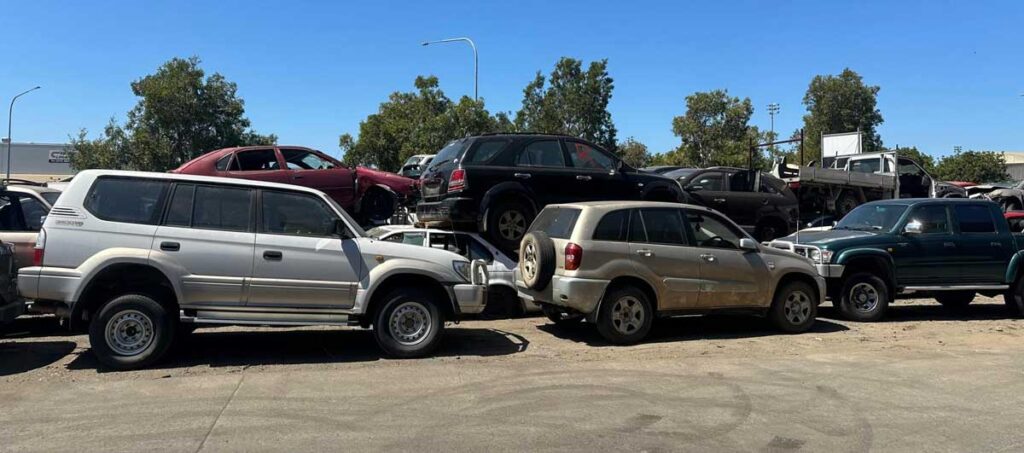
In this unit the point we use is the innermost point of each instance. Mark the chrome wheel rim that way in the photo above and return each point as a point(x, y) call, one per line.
point(529, 261)
point(410, 323)
point(129, 332)
point(797, 307)
point(511, 225)
point(628, 315)
point(864, 296)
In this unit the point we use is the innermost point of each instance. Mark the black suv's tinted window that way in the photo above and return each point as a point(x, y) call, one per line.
point(586, 157)
point(222, 208)
point(542, 153)
point(612, 226)
point(296, 214)
point(741, 181)
point(487, 150)
point(663, 226)
point(180, 211)
point(257, 159)
point(127, 200)
point(711, 180)
point(556, 222)
point(974, 219)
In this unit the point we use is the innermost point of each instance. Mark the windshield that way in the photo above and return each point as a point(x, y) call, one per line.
point(412, 160)
point(872, 217)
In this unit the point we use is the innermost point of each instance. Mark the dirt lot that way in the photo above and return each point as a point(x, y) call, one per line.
point(925, 379)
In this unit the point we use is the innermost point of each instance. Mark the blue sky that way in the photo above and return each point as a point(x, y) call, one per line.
point(951, 73)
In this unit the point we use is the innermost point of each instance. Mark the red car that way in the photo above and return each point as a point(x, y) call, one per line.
point(370, 195)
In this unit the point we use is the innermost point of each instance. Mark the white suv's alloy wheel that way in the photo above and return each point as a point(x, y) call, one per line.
point(410, 323)
point(129, 332)
point(530, 261)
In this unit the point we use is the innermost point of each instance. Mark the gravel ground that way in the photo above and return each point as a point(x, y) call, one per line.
point(923, 379)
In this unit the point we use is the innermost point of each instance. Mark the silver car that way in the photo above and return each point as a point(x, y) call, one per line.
point(621, 264)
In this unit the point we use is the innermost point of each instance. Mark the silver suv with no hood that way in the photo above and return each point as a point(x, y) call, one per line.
point(139, 257)
point(621, 264)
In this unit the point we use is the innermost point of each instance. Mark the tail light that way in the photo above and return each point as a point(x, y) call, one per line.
point(573, 256)
point(37, 256)
point(457, 181)
point(794, 185)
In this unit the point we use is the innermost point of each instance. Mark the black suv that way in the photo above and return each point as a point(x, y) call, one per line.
point(497, 183)
point(761, 203)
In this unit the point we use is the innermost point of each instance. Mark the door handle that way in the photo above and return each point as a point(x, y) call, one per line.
point(995, 244)
point(170, 246)
point(272, 255)
point(297, 177)
point(644, 252)
point(718, 200)
point(523, 175)
point(583, 177)
point(708, 257)
point(948, 245)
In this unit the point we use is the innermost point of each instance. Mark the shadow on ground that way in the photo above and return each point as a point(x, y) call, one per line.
point(216, 347)
point(26, 356)
point(931, 312)
point(41, 326)
point(689, 328)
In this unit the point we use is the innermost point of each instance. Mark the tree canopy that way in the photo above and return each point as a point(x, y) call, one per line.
point(634, 153)
point(840, 103)
point(714, 131)
point(181, 114)
point(973, 166)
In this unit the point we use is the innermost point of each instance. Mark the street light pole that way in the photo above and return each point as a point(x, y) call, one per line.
point(10, 113)
point(773, 109)
point(476, 61)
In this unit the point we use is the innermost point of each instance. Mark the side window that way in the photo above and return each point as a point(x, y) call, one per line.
point(974, 219)
point(741, 181)
point(10, 215)
point(711, 180)
point(711, 231)
point(542, 153)
point(933, 219)
point(768, 185)
point(128, 200)
point(663, 226)
point(636, 227)
point(486, 151)
point(296, 214)
point(445, 241)
point(222, 208)
point(908, 167)
point(414, 237)
point(225, 162)
point(586, 157)
point(612, 226)
point(397, 237)
point(33, 211)
point(300, 159)
point(477, 251)
point(257, 160)
point(179, 213)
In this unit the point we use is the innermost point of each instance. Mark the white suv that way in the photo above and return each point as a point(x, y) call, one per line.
point(139, 257)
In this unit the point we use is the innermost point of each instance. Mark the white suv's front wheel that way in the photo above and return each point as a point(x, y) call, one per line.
point(131, 331)
point(409, 324)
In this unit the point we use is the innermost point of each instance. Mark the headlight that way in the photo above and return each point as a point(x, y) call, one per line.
point(463, 268)
point(820, 256)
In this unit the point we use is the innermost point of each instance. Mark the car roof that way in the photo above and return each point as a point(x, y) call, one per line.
point(91, 174)
point(916, 201)
point(36, 189)
point(626, 204)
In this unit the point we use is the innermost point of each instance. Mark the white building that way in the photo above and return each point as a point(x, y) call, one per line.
point(40, 162)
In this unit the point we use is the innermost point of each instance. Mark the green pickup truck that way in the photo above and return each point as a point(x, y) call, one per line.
point(949, 249)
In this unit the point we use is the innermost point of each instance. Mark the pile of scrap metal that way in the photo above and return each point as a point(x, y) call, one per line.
point(1009, 195)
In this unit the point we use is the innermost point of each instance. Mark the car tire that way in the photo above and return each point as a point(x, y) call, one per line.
point(409, 324)
point(502, 303)
point(846, 202)
point(561, 318)
point(625, 316)
point(1015, 298)
point(132, 331)
point(794, 307)
point(864, 298)
point(537, 260)
point(377, 206)
point(955, 300)
point(1010, 204)
point(507, 221)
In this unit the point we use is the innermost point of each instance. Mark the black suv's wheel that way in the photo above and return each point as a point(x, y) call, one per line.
point(561, 317)
point(955, 300)
point(794, 308)
point(507, 222)
point(409, 324)
point(864, 297)
point(626, 316)
point(1015, 298)
point(537, 260)
point(132, 331)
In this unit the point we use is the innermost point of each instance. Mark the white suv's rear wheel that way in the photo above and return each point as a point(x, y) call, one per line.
point(409, 324)
point(626, 315)
point(131, 331)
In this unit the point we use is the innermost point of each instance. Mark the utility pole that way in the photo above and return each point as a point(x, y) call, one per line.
point(773, 109)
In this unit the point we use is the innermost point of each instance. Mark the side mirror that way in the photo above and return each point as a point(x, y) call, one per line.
point(912, 228)
point(748, 244)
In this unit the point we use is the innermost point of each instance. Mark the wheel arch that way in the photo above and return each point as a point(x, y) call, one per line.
point(868, 260)
point(623, 281)
point(376, 297)
point(120, 278)
point(505, 190)
point(798, 277)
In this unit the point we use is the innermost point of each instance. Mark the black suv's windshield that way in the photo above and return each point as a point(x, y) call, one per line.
point(873, 217)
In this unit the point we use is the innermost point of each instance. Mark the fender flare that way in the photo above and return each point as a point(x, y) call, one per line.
point(890, 266)
point(1014, 267)
point(393, 267)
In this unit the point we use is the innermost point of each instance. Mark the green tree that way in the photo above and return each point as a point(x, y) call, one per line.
point(714, 131)
point(417, 122)
point(973, 166)
point(634, 153)
point(180, 115)
point(571, 101)
point(841, 103)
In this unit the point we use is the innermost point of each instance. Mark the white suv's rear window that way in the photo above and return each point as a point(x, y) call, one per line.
point(556, 222)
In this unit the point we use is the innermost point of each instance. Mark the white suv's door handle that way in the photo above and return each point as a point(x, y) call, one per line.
point(644, 252)
point(523, 175)
point(583, 177)
point(708, 257)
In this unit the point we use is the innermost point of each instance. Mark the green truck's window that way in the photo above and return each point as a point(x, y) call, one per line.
point(975, 219)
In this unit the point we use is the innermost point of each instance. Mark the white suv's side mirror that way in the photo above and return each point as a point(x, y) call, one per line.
point(748, 244)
